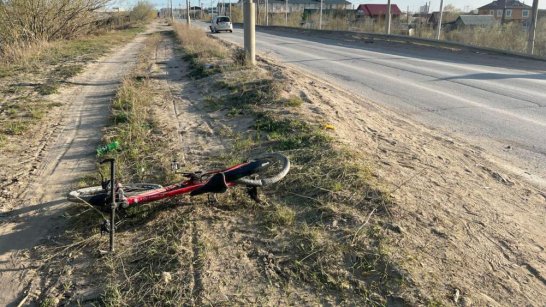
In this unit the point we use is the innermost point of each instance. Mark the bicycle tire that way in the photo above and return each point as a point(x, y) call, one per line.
point(269, 180)
point(86, 194)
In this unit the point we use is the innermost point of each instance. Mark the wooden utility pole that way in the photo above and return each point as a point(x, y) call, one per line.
point(439, 27)
point(533, 28)
point(389, 16)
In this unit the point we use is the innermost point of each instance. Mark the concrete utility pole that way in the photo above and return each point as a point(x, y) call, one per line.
point(249, 22)
point(533, 29)
point(172, 15)
point(286, 13)
point(188, 12)
point(389, 16)
point(320, 16)
point(266, 13)
point(439, 27)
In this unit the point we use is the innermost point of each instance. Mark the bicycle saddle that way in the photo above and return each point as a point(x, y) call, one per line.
point(216, 184)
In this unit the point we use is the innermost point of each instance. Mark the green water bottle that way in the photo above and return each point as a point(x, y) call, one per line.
point(101, 150)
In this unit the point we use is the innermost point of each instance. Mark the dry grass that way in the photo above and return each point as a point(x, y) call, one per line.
point(509, 37)
point(144, 155)
point(197, 44)
point(320, 215)
point(512, 37)
point(40, 72)
point(321, 221)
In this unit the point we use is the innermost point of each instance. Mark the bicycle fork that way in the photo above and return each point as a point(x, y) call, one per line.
point(113, 195)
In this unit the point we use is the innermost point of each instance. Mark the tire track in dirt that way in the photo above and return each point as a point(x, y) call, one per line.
point(67, 154)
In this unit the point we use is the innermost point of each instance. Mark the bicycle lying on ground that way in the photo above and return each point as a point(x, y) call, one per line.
point(261, 171)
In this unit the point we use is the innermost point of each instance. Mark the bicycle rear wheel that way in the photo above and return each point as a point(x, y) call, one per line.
point(97, 192)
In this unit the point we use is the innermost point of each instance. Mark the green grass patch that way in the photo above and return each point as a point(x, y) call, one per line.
point(16, 127)
point(290, 133)
point(293, 101)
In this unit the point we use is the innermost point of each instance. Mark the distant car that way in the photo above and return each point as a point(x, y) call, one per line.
point(221, 23)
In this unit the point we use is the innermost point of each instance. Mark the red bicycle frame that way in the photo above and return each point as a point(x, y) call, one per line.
point(184, 187)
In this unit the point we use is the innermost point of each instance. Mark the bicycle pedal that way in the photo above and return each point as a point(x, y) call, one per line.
point(105, 227)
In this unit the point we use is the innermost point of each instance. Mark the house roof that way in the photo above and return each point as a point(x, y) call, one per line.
point(500, 4)
point(378, 9)
point(477, 20)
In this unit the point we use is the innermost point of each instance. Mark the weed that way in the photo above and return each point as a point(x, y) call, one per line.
point(47, 88)
point(290, 133)
point(279, 215)
point(293, 101)
point(212, 103)
point(67, 71)
point(3, 140)
point(37, 113)
point(16, 127)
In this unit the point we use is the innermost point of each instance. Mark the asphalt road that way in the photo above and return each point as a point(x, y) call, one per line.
point(495, 102)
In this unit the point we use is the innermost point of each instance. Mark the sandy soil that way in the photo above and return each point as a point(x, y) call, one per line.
point(467, 233)
point(57, 153)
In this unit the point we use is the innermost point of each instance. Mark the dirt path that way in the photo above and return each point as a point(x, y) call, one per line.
point(64, 158)
point(223, 243)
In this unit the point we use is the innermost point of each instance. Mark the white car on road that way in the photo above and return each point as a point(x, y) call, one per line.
point(221, 23)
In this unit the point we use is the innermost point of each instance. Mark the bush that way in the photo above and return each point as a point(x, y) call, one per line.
point(142, 11)
point(23, 23)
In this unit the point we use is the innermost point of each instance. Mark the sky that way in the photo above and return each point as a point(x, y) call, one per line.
point(402, 4)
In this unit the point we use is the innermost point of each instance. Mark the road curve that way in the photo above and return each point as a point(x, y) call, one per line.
point(495, 102)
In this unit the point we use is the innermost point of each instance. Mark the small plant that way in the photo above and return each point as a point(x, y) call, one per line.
point(3, 140)
point(280, 215)
point(294, 101)
point(47, 88)
point(37, 113)
point(16, 127)
point(68, 71)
